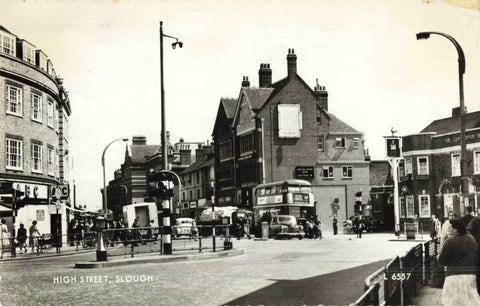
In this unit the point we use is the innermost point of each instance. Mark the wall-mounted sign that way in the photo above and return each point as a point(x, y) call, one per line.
point(304, 172)
point(59, 192)
point(289, 121)
point(393, 147)
point(32, 191)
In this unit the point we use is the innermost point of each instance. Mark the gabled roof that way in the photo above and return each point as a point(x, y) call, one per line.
point(256, 97)
point(198, 165)
point(229, 106)
point(452, 124)
point(340, 127)
point(139, 153)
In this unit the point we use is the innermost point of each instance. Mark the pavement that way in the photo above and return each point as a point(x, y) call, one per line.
point(306, 271)
point(428, 296)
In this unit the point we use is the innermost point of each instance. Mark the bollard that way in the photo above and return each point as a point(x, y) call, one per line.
point(227, 243)
point(264, 230)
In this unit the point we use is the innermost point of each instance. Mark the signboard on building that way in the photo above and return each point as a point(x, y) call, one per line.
point(393, 147)
point(304, 172)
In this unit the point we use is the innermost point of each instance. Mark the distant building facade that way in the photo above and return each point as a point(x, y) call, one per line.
point(34, 143)
point(283, 130)
point(430, 174)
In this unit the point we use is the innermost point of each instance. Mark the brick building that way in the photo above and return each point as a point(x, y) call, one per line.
point(430, 173)
point(279, 130)
point(130, 183)
point(197, 181)
point(34, 114)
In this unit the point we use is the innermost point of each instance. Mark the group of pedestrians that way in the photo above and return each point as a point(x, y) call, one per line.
point(459, 253)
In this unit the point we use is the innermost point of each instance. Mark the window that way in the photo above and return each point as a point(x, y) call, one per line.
point(56, 161)
point(340, 142)
point(408, 166)
point(56, 119)
point(320, 143)
point(14, 100)
point(14, 154)
point(50, 161)
point(246, 144)
point(50, 113)
point(347, 171)
point(423, 166)
point(198, 194)
point(36, 107)
point(356, 142)
point(424, 201)
point(328, 171)
point(456, 164)
point(476, 162)
point(410, 206)
point(28, 54)
point(402, 207)
point(401, 168)
point(225, 150)
point(7, 44)
point(36, 158)
point(198, 177)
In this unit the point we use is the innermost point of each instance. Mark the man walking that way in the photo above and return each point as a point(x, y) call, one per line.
point(335, 221)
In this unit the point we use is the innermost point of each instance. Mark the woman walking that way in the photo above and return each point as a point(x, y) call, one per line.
point(458, 254)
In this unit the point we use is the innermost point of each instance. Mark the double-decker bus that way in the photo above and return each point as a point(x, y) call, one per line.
point(288, 197)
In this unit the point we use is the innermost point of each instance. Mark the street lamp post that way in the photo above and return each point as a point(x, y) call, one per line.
point(101, 251)
point(167, 241)
point(463, 144)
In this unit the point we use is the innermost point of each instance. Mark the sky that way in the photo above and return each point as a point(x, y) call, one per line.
point(377, 74)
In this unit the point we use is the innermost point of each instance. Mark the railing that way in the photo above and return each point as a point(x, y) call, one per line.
point(398, 281)
point(118, 242)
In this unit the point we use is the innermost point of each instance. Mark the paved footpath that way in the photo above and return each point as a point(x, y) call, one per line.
point(330, 271)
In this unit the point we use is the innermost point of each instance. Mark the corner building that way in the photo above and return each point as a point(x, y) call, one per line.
point(283, 130)
point(430, 173)
point(34, 150)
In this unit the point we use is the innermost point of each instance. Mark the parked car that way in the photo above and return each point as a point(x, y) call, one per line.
point(285, 226)
point(183, 227)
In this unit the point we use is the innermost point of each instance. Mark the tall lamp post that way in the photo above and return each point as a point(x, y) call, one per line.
point(167, 241)
point(463, 144)
point(101, 251)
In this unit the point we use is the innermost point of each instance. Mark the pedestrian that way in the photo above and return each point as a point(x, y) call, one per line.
point(335, 221)
point(434, 227)
point(154, 231)
point(71, 232)
point(78, 232)
point(4, 236)
point(474, 229)
point(360, 227)
point(137, 236)
point(468, 216)
point(446, 228)
point(194, 230)
point(22, 238)
point(458, 254)
point(33, 234)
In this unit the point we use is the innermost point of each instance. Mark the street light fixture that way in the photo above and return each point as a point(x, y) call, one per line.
point(463, 144)
point(101, 251)
point(167, 241)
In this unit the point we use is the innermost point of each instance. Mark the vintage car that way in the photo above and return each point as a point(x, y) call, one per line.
point(183, 227)
point(285, 226)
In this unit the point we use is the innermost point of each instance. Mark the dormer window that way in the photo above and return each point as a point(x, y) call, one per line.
point(340, 142)
point(7, 43)
point(356, 142)
point(41, 60)
point(27, 51)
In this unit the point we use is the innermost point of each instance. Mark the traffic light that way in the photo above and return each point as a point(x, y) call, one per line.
point(16, 201)
point(358, 202)
point(159, 184)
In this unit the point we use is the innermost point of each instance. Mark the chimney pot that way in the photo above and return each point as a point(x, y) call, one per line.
point(245, 82)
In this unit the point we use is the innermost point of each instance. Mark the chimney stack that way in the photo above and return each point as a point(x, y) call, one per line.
point(265, 76)
point(456, 111)
point(291, 63)
point(321, 95)
point(245, 82)
point(185, 157)
point(139, 140)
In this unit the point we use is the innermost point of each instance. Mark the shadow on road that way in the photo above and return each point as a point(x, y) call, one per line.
point(337, 288)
